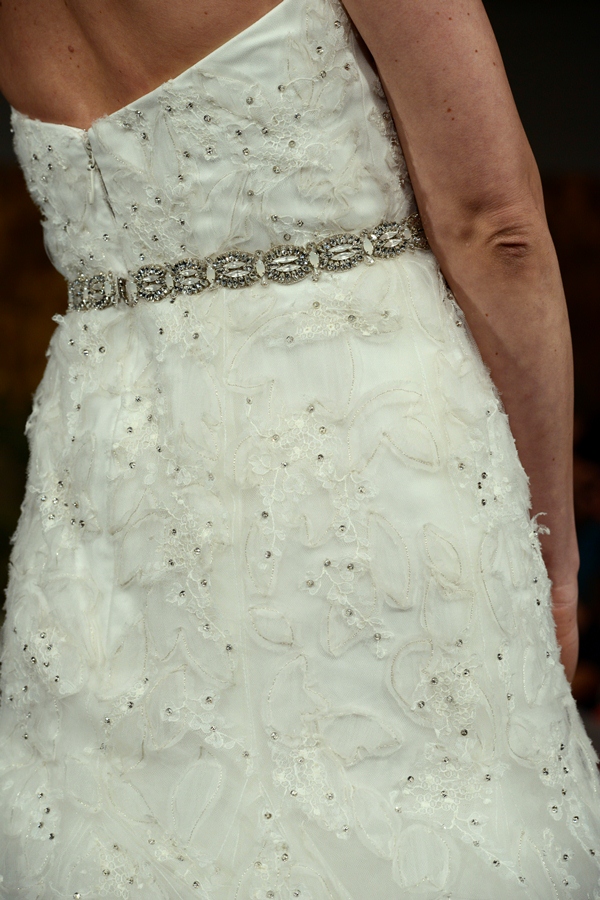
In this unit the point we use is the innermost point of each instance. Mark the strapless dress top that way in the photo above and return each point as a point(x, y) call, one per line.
point(282, 134)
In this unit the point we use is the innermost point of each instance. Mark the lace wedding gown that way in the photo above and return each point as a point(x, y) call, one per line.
point(278, 625)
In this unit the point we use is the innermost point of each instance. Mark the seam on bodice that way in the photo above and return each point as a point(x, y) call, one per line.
point(284, 130)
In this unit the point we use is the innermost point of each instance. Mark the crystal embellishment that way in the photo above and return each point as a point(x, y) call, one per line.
point(284, 264)
point(189, 277)
point(391, 238)
point(151, 283)
point(287, 264)
point(235, 269)
point(341, 251)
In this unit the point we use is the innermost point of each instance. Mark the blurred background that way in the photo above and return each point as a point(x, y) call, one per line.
point(550, 51)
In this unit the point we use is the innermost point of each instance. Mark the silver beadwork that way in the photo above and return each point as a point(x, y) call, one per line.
point(391, 238)
point(151, 283)
point(189, 277)
point(341, 251)
point(235, 269)
point(284, 264)
point(287, 264)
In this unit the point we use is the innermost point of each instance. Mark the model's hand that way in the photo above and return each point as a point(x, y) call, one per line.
point(564, 610)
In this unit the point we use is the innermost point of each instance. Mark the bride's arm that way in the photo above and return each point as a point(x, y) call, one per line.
point(479, 194)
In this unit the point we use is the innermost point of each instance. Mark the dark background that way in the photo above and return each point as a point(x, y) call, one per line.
point(551, 53)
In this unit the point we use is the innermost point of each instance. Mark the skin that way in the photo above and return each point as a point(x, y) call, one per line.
point(72, 61)
point(479, 193)
point(475, 180)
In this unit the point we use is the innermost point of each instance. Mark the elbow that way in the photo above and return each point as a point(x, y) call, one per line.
point(500, 216)
point(514, 241)
point(510, 236)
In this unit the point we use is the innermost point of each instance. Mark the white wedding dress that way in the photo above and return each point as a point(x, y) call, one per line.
point(278, 625)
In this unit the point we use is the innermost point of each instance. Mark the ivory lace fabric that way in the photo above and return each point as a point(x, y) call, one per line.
point(278, 624)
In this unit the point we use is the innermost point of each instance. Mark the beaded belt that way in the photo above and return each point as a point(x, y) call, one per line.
point(284, 264)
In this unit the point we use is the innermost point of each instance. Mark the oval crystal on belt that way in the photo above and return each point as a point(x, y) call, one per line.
point(341, 251)
point(287, 264)
point(77, 293)
point(100, 291)
point(390, 238)
point(189, 276)
point(152, 283)
point(235, 269)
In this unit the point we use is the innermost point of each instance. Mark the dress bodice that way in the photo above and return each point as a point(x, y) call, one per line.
point(262, 141)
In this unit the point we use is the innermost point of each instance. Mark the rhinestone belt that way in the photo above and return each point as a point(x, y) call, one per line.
point(284, 264)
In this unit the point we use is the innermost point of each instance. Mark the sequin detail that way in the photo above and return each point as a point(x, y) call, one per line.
point(284, 264)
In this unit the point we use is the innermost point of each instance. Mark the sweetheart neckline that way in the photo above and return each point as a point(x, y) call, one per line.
point(197, 66)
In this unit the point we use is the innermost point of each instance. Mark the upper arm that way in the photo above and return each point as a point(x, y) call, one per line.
point(464, 144)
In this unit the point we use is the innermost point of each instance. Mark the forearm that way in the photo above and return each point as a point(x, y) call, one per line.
point(508, 284)
point(479, 195)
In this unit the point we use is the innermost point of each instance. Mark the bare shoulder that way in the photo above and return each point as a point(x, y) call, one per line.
point(74, 60)
point(432, 46)
point(452, 104)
